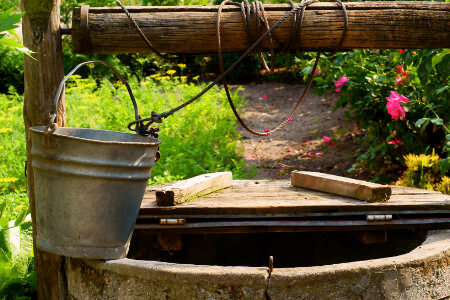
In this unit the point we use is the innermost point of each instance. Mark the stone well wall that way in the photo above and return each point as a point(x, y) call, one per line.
point(423, 273)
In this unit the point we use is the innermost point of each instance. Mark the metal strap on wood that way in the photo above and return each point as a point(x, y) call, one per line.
point(84, 29)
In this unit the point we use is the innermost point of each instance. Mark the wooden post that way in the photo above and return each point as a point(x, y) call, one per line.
point(192, 29)
point(42, 77)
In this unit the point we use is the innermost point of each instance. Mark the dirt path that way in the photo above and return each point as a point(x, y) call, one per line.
point(300, 145)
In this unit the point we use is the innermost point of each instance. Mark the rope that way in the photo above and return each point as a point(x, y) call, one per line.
point(297, 26)
point(257, 10)
point(125, 10)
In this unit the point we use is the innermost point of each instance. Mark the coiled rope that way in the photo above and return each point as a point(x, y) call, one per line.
point(252, 14)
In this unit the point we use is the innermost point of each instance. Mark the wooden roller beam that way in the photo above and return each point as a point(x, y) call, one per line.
point(192, 29)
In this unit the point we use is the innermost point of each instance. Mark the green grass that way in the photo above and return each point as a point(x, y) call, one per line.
point(200, 138)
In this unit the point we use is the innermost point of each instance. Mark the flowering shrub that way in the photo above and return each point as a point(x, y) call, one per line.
point(400, 99)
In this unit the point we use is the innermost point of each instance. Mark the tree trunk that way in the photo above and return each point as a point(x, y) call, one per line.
point(192, 29)
point(42, 77)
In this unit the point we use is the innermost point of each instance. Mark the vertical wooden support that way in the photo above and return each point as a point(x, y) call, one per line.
point(42, 77)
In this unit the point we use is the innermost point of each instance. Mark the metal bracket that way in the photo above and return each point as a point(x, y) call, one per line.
point(172, 221)
point(378, 218)
point(85, 41)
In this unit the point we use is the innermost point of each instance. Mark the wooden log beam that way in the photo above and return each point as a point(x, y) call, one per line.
point(192, 29)
point(40, 26)
point(338, 185)
point(186, 190)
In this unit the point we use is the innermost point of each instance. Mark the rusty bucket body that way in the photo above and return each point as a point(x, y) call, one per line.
point(88, 188)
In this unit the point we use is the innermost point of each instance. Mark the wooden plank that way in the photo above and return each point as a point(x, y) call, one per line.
point(40, 27)
point(247, 226)
point(259, 198)
point(192, 29)
point(186, 190)
point(347, 187)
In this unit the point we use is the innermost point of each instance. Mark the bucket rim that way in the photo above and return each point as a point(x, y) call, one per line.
point(41, 129)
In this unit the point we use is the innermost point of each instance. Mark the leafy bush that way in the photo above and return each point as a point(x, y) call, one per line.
point(423, 171)
point(17, 275)
point(11, 64)
point(12, 148)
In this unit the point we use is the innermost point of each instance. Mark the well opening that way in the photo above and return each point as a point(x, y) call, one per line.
point(289, 249)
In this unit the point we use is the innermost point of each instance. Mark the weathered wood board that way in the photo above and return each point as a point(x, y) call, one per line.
point(192, 29)
point(253, 198)
point(42, 75)
point(186, 190)
point(276, 206)
point(338, 185)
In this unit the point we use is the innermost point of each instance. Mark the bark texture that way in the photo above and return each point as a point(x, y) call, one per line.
point(192, 29)
point(42, 77)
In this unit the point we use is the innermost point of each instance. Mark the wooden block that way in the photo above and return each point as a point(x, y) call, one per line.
point(186, 190)
point(357, 189)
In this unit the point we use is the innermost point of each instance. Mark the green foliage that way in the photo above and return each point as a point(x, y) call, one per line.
point(11, 50)
point(12, 147)
point(444, 185)
point(8, 38)
point(198, 139)
point(11, 70)
point(423, 171)
point(16, 262)
point(16, 248)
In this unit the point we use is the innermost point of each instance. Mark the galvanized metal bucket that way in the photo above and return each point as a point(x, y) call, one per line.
point(88, 187)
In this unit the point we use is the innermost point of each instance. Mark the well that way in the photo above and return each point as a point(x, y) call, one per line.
point(422, 273)
point(323, 247)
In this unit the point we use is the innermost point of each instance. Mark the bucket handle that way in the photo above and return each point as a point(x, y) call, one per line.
point(51, 127)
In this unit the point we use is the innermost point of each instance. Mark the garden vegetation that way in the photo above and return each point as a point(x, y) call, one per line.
point(398, 98)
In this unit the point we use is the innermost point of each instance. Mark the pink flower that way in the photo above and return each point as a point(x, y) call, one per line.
point(310, 154)
point(317, 71)
point(318, 168)
point(291, 119)
point(340, 83)
point(255, 156)
point(266, 130)
point(328, 140)
point(394, 141)
point(394, 105)
point(289, 150)
point(401, 71)
point(403, 75)
point(264, 96)
point(318, 153)
point(376, 52)
point(402, 51)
